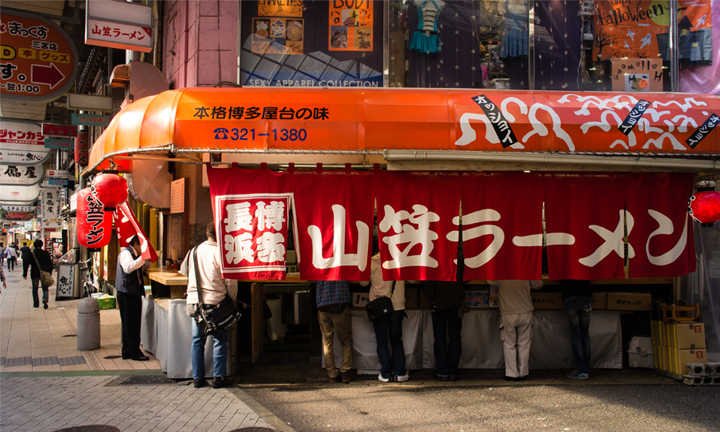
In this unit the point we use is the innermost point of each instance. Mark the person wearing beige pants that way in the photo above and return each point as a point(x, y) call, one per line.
point(333, 303)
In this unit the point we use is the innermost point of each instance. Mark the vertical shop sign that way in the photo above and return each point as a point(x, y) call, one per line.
point(351, 25)
point(50, 204)
point(81, 149)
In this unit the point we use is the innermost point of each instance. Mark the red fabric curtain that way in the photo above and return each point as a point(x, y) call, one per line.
point(502, 226)
point(584, 219)
point(417, 215)
point(126, 226)
point(334, 224)
point(660, 229)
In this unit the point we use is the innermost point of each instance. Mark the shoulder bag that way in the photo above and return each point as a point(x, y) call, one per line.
point(213, 319)
point(381, 307)
point(45, 277)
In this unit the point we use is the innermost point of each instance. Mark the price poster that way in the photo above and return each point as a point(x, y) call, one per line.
point(351, 23)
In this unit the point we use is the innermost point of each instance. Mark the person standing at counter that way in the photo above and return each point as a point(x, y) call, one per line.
point(516, 311)
point(577, 303)
point(213, 290)
point(130, 289)
point(333, 303)
point(392, 367)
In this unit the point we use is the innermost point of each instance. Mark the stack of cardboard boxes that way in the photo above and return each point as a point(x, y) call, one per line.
point(676, 344)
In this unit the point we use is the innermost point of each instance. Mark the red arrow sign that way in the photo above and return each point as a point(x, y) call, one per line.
point(49, 75)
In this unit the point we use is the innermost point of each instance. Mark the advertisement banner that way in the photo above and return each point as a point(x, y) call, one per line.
point(51, 206)
point(351, 25)
point(19, 175)
point(335, 224)
point(126, 226)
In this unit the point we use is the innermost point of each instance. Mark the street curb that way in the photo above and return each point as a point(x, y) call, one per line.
point(263, 412)
point(81, 373)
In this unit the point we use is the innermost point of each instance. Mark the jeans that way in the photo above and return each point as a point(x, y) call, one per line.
point(577, 311)
point(447, 325)
point(36, 300)
point(395, 364)
point(220, 353)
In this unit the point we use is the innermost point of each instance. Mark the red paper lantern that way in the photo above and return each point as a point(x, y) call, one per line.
point(94, 225)
point(704, 207)
point(110, 189)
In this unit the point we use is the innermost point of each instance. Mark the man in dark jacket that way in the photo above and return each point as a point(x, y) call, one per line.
point(41, 257)
point(130, 289)
point(25, 251)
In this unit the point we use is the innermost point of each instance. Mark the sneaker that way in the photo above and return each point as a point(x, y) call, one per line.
point(200, 383)
point(576, 374)
point(383, 379)
point(221, 382)
point(402, 378)
point(348, 375)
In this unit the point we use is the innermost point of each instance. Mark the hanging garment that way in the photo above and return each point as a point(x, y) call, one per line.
point(426, 38)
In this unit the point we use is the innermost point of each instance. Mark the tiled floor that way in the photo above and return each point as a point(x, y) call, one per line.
point(44, 340)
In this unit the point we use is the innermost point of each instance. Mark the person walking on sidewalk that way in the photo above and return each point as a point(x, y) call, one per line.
point(2, 276)
point(24, 250)
point(577, 303)
point(2, 253)
point(37, 260)
point(130, 288)
point(333, 303)
point(213, 290)
point(11, 254)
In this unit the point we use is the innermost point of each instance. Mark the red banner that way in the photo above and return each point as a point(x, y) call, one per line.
point(126, 226)
point(584, 217)
point(502, 226)
point(334, 224)
point(417, 217)
point(251, 214)
point(659, 228)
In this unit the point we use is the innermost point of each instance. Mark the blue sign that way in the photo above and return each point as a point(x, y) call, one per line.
point(90, 119)
point(57, 182)
point(59, 143)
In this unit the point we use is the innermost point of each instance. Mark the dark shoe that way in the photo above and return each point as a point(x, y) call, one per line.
point(440, 377)
point(141, 358)
point(335, 379)
point(453, 378)
point(45, 304)
point(507, 378)
point(221, 382)
point(200, 383)
point(36, 306)
point(348, 375)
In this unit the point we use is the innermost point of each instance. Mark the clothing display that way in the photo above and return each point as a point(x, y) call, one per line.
point(426, 38)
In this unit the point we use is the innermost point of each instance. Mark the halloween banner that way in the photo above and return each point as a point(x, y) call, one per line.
point(351, 25)
point(334, 224)
point(639, 30)
point(126, 226)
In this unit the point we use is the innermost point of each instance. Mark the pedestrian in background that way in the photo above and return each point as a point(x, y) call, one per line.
point(130, 287)
point(516, 313)
point(11, 254)
point(392, 366)
point(24, 250)
point(2, 253)
point(333, 303)
point(577, 303)
point(2, 276)
point(213, 290)
point(39, 259)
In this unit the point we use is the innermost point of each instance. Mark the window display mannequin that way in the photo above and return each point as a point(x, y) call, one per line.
point(426, 38)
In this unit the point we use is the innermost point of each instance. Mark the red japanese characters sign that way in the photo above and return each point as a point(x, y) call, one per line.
point(93, 224)
point(334, 224)
point(126, 226)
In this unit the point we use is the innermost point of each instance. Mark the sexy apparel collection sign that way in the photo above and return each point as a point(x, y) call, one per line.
point(422, 218)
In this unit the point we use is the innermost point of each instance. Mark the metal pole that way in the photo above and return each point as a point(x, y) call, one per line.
point(531, 45)
point(674, 53)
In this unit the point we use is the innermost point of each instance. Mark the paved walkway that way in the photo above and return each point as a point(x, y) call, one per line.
point(46, 384)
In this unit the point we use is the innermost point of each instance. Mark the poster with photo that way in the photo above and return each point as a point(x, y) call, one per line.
point(351, 26)
point(278, 36)
point(280, 8)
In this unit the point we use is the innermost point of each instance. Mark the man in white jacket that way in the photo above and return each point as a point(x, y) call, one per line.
point(392, 366)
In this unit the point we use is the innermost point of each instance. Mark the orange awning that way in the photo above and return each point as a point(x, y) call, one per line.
point(373, 121)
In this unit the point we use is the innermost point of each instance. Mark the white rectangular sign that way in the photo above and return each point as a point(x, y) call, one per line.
point(89, 102)
point(118, 35)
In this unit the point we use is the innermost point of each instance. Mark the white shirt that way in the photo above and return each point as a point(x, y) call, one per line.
point(514, 295)
point(213, 286)
point(128, 262)
point(380, 288)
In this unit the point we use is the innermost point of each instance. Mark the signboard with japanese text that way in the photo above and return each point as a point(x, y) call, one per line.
point(284, 8)
point(53, 173)
point(21, 175)
point(21, 143)
point(419, 224)
point(59, 130)
point(59, 143)
point(126, 226)
point(51, 204)
point(90, 119)
point(19, 195)
point(17, 213)
point(82, 150)
point(39, 61)
point(351, 25)
point(121, 25)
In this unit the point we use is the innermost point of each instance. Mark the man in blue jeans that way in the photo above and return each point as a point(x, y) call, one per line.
point(213, 290)
point(577, 301)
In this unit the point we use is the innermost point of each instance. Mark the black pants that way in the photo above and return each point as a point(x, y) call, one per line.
point(130, 316)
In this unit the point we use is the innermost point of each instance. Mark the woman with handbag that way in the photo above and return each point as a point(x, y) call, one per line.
point(37, 261)
point(392, 365)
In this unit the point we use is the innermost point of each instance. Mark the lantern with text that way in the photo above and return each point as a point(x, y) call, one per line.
point(704, 207)
point(94, 225)
point(110, 189)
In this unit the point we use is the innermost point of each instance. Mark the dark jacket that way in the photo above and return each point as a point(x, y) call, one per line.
point(445, 295)
point(132, 283)
point(43, 257)
point(25, 250)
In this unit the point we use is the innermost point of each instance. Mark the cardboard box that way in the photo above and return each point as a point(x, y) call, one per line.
point(686, 335)
point(547, 301)
point(106, 302)
point(657, 352)
point(629, 301)
point(600, 301)
point(664, 334)
point(665, 357)
point(360, 299)
point(478, 299)
point(679, 358)
point(657, 328)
